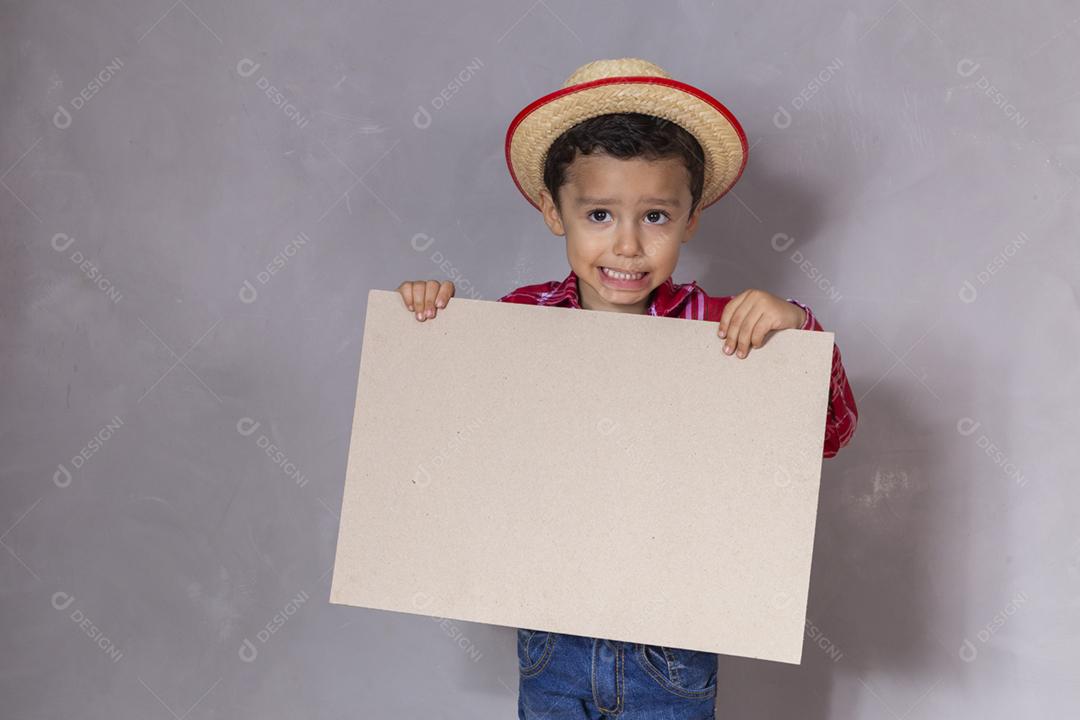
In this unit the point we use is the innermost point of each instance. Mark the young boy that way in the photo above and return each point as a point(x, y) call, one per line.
point(621, 161)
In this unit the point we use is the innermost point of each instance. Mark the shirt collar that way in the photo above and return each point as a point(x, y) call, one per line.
point(667, 300)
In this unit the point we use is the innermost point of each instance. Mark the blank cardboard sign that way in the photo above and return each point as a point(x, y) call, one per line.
point(594, 473)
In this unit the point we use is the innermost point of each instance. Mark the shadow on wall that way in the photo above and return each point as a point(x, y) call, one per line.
point(888, 515)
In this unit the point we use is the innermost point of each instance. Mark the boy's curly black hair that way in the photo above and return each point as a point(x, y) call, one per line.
point(625, 135)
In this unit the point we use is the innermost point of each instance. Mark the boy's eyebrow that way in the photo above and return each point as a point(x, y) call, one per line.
point(669, 202)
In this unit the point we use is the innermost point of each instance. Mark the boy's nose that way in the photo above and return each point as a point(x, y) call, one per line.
point(628, 244)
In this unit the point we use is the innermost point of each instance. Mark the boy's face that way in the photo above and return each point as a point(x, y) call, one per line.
point(624, 215)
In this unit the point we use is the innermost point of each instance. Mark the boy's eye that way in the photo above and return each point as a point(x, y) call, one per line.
point(653, 217)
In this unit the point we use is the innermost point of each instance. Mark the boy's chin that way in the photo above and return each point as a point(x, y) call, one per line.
point(624, 298)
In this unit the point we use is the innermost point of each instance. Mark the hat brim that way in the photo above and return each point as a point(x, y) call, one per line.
point(714, 126)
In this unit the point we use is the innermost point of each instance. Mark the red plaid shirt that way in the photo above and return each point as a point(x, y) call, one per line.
point(691, 302)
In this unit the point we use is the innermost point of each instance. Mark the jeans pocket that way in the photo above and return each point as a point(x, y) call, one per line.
point(534, 648)
point(687, 673)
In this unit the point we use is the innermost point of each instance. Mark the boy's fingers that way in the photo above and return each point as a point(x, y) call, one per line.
point(750, 331)
point(405, 289)
point(424, 296)
point(736, 331)
point(431, 290)
point(419, 290)
point(729, 310)
point(754, 312)
point(761, 329)
point(446, 291)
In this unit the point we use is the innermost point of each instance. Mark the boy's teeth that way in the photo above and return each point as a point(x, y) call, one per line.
point(622, 275)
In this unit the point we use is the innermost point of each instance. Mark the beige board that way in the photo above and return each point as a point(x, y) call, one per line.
point(595, 473)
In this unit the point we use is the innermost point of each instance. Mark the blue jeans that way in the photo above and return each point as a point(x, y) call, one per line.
point(571, 676)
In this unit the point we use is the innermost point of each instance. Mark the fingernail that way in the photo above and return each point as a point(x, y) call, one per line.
point(438, 303)
point(727, 349)
point(418, 316)
point(431, 312)
point(723, 334)
point(742, 353)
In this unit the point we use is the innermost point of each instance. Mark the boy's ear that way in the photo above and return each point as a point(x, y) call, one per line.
point(551, 213)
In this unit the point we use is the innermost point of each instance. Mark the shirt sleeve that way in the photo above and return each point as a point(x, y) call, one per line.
point(842, 415)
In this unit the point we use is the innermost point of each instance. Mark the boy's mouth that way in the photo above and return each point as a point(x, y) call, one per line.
point(622, 280)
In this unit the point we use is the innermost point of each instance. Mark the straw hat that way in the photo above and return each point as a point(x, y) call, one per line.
point(626, 85)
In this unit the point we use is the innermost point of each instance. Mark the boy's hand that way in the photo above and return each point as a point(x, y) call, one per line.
point(751, 315)
point(423, 296)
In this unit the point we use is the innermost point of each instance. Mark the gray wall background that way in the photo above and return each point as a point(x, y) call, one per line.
point(913, 177)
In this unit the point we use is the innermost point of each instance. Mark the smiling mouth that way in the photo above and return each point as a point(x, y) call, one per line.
point(621, 276)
